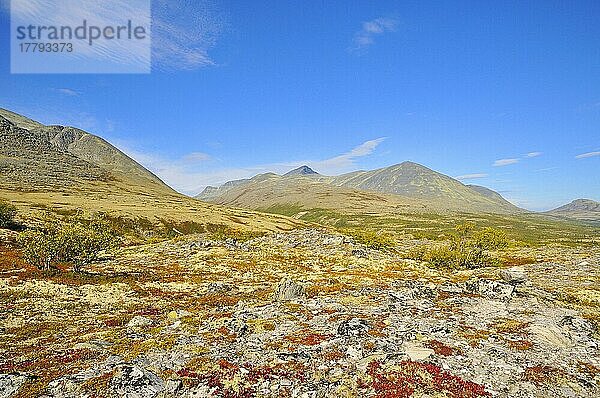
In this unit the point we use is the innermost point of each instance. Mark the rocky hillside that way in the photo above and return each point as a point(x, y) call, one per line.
point(579, 209)
point(87, 147)
point(66, 168)
point(295, 193)
point(301, 171)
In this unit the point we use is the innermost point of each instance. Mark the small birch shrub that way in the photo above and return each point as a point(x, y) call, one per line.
point(77, 242)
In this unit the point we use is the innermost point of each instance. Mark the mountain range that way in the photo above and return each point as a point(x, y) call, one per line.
point(407, 186)
point(580, 209)
point(65, 168)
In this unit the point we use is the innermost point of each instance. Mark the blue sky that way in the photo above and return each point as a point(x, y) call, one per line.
point(502, 94)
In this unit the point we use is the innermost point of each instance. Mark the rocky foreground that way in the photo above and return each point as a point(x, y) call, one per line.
point(301, 314)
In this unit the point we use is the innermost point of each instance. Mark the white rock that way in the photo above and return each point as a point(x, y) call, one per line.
point(549, 334)
point(514, 275)
point(288, 290)
point(417, 352)
point(10, 384)
point(139, 321)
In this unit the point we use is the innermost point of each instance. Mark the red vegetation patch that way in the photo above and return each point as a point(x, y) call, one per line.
point(589, 369)
point(441, 349)
point(45, 364)
point(150, 311)
point(307, 338)
point(115, 322)
point(542, 374)
point(520, 345)
point(249, 377)
point(424, 377)
point(377, 329)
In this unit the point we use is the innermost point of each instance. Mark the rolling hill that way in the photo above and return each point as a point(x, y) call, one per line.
point(65, 168)
point(407, 186)
point(579, 209)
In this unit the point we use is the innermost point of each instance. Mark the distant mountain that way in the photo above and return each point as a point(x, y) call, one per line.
point(490, 194)
point(66, 168)
point(406, 185)
point(416, 181)
point(301, 171)
point(579, 209)
point(299, 193)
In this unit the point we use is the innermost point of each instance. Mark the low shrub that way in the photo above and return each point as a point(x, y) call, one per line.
point(375, 240)
point(465, 249)
point(7, 214)
point(77, 242)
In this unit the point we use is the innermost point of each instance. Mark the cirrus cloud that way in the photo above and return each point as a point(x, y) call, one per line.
point(471, 176)
point(587, 155)
point(505, 162)
point(370, 30)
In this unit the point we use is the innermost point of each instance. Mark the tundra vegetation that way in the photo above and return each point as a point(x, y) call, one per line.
point(75, 241)
point(465, 248)
point(7, 214)
point(188, 307)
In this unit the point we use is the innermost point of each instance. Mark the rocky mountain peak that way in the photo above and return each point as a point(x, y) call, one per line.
point(301, 171)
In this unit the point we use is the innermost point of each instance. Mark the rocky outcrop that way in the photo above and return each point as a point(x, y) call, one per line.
point(288, 290)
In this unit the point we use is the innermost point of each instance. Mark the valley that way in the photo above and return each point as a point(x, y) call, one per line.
point(397, 282)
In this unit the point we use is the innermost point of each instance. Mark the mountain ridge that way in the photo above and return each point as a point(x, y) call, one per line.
point(578, 209)
point(404, 183)
point(65, 168)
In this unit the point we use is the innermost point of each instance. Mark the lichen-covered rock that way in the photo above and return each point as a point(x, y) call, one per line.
point(353, 327)
point(139, 321)
point(514, 275)
point(132, 381)
point(288, 290)
point(491, 289)
point(10, 384)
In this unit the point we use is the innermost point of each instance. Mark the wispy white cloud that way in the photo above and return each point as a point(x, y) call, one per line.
point(587, 155)
point(342, 162)
point(471, 176)
point(548, 168)
point(183, 36)
point(191, 173)
point(505, 162)
point(370, 30)
point(98, 13)
point(67, 91)
point(196, 157)
point(533, 154)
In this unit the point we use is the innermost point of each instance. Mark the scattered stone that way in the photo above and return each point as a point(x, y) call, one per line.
point(514, 275)
point(490, 289)
point(177, 314)
point(131, 381)
point(577, 325)
point(172, 387)
point(219, 287)
point(549, 335)
point(289, 290)
point(353, 327)
point(10, 384)
point(139, 321)
point(417, 352)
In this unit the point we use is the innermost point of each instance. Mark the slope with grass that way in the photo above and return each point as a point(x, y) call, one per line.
point(64, 168)
point(416, 181)
point(408, 186)
point(579, 209)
